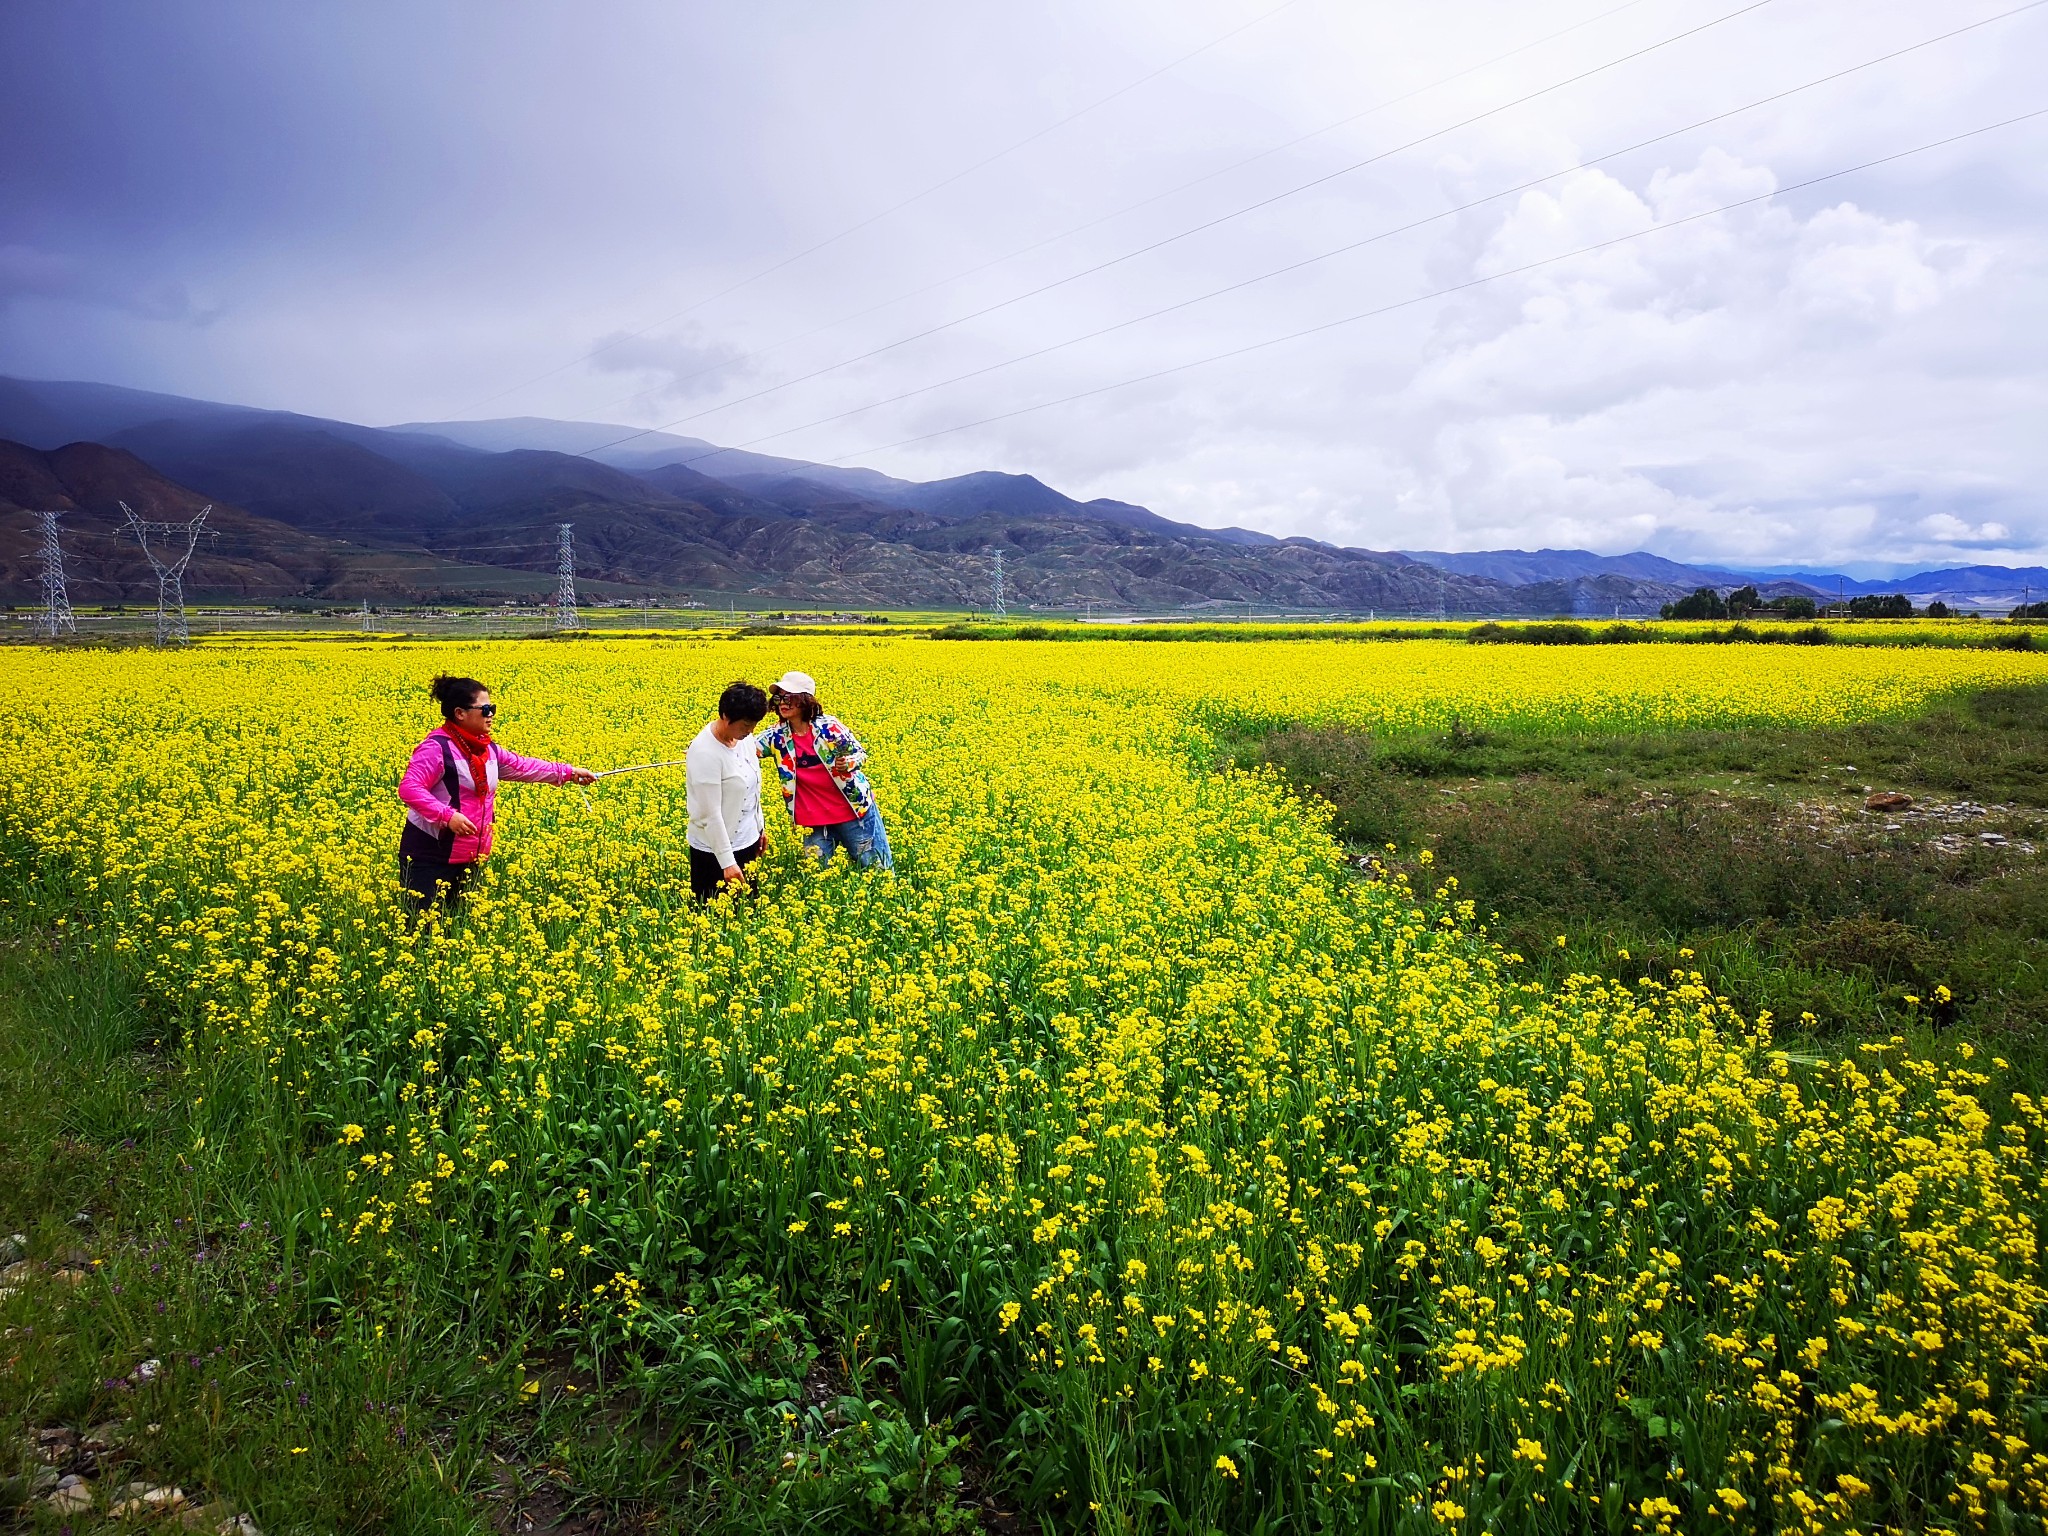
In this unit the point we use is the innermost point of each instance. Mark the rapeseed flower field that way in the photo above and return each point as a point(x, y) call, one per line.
point(1230, 1189)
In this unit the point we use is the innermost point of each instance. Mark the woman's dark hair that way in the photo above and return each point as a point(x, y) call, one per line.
point(453, 693)
point(742, 701)
point(806, 704)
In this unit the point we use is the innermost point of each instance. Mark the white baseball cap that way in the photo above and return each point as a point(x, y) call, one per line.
point(797, 682)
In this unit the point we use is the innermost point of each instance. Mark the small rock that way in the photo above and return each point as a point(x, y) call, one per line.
point(16, 1272)
point(146, 1499)
point(1889, 800)
point(13, 1247)
point(69, 1276)
point(149, 1370)
point(41, 1480)
point(241, 1525)
point(72, 1493)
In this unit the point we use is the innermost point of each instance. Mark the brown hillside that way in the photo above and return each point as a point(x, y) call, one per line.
point(247, 558)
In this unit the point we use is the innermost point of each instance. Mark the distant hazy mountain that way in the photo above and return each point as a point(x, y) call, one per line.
point(643, 450)
point(960, 497)
point(1517, 567)
point(438, 509)
point(1961, 581)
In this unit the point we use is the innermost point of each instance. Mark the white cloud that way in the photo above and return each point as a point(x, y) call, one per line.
point(680, 365)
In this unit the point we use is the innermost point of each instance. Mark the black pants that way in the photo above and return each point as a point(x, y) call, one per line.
point(427, 881)
point(707, 875)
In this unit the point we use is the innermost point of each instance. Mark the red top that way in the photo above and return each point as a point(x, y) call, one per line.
point(819, 802)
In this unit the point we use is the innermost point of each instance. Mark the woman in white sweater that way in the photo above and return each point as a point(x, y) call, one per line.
point(724, 779)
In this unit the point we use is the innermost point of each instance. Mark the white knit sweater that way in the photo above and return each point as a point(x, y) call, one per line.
point(724, 795)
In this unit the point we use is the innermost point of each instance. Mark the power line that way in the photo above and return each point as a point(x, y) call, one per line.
point(1144, 202)
point(896, 207)
point(537, 549)
point(1355, 245)
point(1399, 304)
point(1201, 228)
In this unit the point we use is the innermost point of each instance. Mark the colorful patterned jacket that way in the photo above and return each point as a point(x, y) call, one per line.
point(838, 749)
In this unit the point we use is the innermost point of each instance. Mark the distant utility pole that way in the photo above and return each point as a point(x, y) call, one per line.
point(565, 578)
point(169, 568)
point(996, 608)
point(368, 623)
point(56, 617)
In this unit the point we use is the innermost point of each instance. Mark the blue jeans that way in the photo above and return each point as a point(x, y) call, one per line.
point(865, 838)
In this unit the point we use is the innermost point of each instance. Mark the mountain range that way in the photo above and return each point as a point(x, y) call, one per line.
point(313, 508)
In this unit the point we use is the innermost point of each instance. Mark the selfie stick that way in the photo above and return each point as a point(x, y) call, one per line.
point(674, 762)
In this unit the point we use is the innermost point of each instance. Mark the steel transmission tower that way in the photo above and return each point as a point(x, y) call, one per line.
point(169, 568)
point(56, 618)
point(996, 608)
point(565, 583)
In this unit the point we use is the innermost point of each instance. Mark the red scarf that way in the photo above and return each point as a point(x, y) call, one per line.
point(478, 750)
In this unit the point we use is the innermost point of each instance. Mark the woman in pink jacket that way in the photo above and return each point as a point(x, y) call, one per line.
point(450, 790)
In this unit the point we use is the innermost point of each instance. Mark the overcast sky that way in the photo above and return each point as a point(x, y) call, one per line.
point(423, 211)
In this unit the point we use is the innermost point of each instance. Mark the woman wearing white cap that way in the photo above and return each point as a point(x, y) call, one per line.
point(819, 763)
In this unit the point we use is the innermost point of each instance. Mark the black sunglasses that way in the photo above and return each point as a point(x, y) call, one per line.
point(488, 711)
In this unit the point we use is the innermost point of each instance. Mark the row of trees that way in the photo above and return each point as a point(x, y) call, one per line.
point(1743, 602)
point(1746, 602)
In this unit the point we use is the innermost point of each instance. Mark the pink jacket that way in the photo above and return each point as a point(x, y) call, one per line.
point(439, 765)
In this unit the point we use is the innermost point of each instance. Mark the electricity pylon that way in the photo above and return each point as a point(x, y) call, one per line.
point(565, 579)
point(996, 608)
point(169, 568)
point(56, 616)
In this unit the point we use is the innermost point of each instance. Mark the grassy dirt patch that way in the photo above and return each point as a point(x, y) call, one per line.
point(1887, 877)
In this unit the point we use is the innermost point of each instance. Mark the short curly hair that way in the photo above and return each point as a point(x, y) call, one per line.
point(742, 701)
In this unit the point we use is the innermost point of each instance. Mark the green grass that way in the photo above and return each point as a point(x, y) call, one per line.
point(161, 1225)
point(1749, 849)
